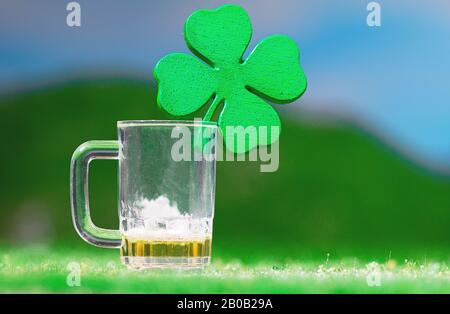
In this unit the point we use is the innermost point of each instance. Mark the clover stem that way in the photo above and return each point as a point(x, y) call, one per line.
point(210, 112)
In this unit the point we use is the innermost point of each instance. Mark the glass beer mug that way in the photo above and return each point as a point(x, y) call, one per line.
point(166, 192)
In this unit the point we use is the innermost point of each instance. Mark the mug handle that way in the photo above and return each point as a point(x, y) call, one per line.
point(79, 192)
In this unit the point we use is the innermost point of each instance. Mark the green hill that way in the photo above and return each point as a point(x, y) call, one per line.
point(338, 189)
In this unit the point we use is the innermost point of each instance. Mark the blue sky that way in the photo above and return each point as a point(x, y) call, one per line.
point(394, 78)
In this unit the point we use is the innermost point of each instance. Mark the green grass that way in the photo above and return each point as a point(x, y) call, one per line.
point(46, 270)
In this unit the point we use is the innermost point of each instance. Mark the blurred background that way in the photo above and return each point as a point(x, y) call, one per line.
point(365, 153)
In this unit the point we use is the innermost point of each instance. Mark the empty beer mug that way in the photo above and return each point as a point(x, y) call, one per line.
point(166, 192)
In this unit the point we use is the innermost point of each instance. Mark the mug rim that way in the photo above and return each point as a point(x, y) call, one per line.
point(172, 123)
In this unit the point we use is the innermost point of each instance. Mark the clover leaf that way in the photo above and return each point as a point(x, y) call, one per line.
point(219, 38)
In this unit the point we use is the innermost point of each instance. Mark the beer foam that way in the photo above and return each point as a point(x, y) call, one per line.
point(159, 219)
point(159, 207)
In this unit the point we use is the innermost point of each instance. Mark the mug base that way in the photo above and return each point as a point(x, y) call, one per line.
point(146, 262)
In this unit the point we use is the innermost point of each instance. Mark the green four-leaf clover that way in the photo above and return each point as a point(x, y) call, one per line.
point(220, 37)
